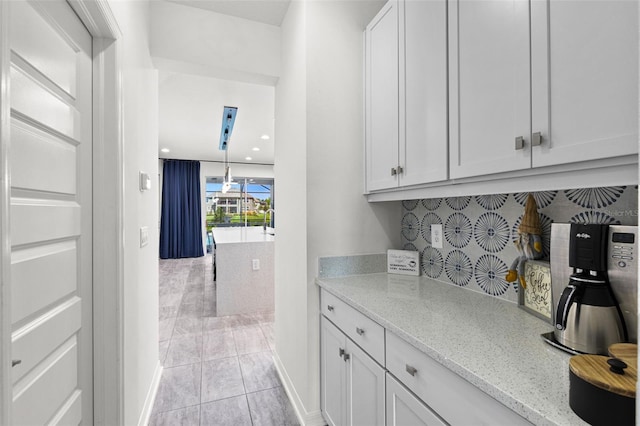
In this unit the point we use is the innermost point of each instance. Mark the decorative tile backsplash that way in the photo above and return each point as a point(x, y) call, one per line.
point(479, 231)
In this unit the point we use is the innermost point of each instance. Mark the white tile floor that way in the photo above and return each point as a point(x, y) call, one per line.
point(217, 370)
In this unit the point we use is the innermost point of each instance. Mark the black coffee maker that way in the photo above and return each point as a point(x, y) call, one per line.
point(588, 318)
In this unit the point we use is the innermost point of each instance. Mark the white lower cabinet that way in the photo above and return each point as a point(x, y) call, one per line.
point(404, 409)
point(391, 382)
point(352, 382)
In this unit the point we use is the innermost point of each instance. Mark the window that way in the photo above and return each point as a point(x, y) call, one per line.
point(247, 203)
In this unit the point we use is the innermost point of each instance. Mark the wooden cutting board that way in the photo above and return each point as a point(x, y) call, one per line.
point(624, 351)
point(595, 370)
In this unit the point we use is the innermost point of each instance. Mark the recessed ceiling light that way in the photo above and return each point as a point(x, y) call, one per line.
point(247, 158)
point(265, 137)
point(255, 148)
point(165, 150)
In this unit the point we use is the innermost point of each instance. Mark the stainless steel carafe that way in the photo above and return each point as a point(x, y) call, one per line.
point(587, 316)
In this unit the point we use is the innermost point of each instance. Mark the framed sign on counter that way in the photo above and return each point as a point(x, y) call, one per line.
point(536, 298)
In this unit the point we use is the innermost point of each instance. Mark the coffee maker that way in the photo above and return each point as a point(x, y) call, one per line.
point(594, 275)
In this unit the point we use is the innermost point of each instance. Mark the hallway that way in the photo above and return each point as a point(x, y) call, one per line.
point(217, 370)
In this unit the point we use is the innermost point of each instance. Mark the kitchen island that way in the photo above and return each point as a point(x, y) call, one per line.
point(491, 343)
point(243, 259)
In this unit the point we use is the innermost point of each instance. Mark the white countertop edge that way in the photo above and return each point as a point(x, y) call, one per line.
point(521, 408)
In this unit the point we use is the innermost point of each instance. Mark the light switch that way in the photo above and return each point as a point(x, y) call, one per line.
point(145, 181)
point(436, 235)
point(144, 236)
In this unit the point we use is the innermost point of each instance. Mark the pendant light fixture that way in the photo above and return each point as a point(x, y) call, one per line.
point(228, 120)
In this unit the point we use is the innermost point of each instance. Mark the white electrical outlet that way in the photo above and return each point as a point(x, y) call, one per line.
point(436, 235)
point(256, 264)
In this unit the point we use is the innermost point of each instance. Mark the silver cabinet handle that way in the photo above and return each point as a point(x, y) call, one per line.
point(330, 308)
point(360, 331)
point(346, 357)
point(411, 370)
point(340, 352)
point(394, 171)
point(400, 170)
point(16, 362)
point(519, 143)
point(536, 139)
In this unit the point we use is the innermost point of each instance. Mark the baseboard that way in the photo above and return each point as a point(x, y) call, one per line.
point(313, 418)
point(145, 415)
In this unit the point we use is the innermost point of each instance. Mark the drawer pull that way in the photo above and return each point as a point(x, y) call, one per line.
point(411, 370)
point(16, 362)
point(330, 308)
point(346, 357)
point(360, 331)
point(341, 352)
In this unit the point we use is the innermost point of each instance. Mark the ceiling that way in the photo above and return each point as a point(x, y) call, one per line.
point(191, 103)
point(190, 118)
point(266, 11)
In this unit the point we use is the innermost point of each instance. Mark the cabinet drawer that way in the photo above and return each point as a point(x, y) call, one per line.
point(368, 334)
point(453, 398)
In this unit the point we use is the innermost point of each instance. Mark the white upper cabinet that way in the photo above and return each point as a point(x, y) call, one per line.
point(406, 94)
point(584, 79)
point(423, 91)
point(489, 100)
point(575, 100)
point(381, 121)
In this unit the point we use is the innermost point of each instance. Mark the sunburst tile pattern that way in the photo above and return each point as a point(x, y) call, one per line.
point(479, 231)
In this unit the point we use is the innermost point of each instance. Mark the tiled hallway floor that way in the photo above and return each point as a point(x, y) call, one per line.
point(217, 370)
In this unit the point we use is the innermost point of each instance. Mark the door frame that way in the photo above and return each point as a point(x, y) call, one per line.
point(108, 213)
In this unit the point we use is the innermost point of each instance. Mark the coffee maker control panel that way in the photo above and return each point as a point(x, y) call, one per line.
point(622, 248)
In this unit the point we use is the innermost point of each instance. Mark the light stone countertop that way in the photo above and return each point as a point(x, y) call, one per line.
point(241, 234)
point(490, 342)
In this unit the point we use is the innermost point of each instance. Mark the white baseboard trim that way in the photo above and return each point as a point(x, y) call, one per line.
point(145, 415)
point(313, 418)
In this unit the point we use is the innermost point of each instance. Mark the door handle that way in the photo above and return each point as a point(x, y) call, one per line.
point(394, 171)
point(340, 352)
point(16, 362)
point(536, 139)
point(360, 331)
point(330, 308)
point(346, 357)
point(411, 370)
point(519, 143)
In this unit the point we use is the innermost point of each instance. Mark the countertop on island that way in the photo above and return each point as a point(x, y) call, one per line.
point(490, 342)
point(242, 234)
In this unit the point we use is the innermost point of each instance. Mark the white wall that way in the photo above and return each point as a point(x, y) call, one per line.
point(322, 156)
point(291, 194)
point(196, 41)
point(140, 96)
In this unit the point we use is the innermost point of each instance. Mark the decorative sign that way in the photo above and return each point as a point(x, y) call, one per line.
point(403, 262)
point(536, 298)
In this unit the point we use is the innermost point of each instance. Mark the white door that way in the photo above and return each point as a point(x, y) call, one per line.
point(381, 97)
point(50, 216)
point(365, 384)
point(489, 87)
point(423, 91)
point(332, 377)
point(404, 409)
point(584, 58)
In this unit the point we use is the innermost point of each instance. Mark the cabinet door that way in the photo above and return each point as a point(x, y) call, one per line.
point(365, 379)
point(584, 79)
point(404, 409)
point(381, 97)
point(489, 76)
point(332, 374)
point(423, 91)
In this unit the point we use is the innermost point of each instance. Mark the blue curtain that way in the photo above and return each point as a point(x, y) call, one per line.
point(181, 224)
